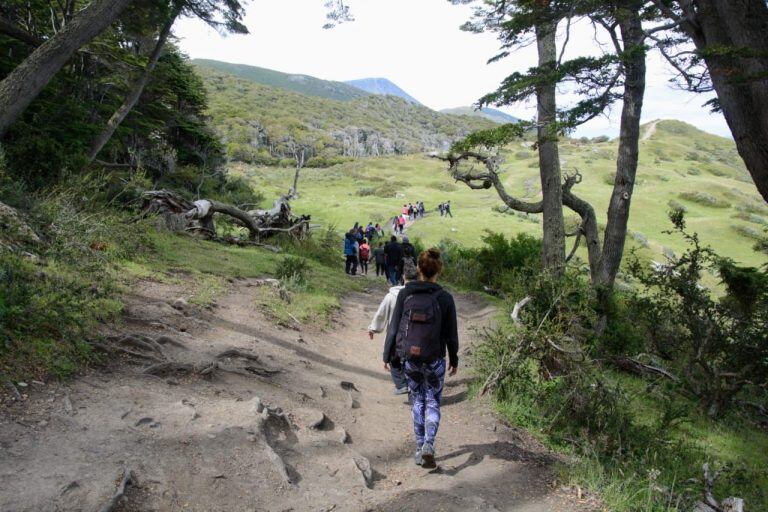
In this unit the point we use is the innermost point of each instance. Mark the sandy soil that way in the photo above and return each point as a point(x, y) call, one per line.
point(198, 442)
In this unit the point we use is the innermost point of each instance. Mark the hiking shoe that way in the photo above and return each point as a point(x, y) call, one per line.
point(428, 456)
point(401, 391)
point(417, 457)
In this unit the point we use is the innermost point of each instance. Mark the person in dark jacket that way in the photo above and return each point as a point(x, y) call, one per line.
point(350, 253)
point(378, 255)
point(393, 253)
point(426, 377)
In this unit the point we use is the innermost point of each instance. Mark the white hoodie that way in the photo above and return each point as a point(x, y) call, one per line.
point(386, 309)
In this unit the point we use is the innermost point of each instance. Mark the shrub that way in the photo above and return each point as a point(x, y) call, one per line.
point(693, 171)
point(293, 271)
point(705, 199)
point(496, 263)
point(714, 347)
point(600, 139)
point(384, 190)
point(676, 205)
point(44, 318)
point(444, 186)
point(523, 155)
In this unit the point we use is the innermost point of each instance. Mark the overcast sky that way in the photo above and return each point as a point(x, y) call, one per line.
point(416, 44)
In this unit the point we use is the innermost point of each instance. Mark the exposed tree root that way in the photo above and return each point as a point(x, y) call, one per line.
point(114, 348)
point(166, 368)
point(128, 478)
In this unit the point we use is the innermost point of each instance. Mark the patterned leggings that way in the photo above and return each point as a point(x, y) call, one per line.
point(425, 383)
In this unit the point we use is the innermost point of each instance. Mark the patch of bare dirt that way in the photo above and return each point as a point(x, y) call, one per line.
point(258, 417)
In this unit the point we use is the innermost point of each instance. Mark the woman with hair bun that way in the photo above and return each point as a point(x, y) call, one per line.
point(422, 328)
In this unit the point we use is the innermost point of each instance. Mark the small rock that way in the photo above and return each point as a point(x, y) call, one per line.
point(343, 436)
point(37, 382)
point(351, 402)
point(143, 421)
point(256, 405)
point(42, 423)
point(300, 340)
point(317, 420)
point(348, 386)
point(22, 384)
point(179, 304)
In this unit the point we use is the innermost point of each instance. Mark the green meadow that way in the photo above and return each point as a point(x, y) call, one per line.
point(679, 166)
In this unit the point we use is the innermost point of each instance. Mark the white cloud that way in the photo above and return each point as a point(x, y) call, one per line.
point(417, 45)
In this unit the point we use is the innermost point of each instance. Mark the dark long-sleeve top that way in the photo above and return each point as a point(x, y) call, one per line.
point(449, 334)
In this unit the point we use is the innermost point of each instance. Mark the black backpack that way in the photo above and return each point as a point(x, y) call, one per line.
point(418, 335)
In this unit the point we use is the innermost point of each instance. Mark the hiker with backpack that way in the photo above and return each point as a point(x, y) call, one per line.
point(364, 253)
point(447, 208)
point(393, 253)
point(350, 253)
point(422, 328)
point(401, 222)
point(381, 321)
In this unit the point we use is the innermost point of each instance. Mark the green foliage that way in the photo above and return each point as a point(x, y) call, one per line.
point(383, 190)
point(496, 137)
point(498, 263)
point(293, 269)
point(715, 347)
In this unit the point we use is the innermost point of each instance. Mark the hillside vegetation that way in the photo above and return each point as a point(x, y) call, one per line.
point(302, 84)
point(255, 122)
point(679, 166)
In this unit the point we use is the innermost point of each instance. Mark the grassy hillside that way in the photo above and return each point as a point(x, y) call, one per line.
point(302, 84)
point(254, 120)
point(679, 164)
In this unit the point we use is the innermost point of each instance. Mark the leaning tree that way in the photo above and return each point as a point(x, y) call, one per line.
point(722, 46)
point(27, 80)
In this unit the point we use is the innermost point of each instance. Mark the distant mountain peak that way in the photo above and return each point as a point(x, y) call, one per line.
point(497, 116)
point(380, 85)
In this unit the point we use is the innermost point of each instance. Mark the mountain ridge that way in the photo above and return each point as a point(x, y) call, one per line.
point(295, 82)
point(381, 86)
point(495, 115)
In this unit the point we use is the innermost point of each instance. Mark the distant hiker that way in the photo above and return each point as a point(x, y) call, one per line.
point(423, 326)
point(350, 253)
point(401, 223)
point(395, 224)
point(422, 210)
point(447, 208)
point(409, 256)
point(404, 211)
point(411, 212)
point(441, 207)
point(370, 232)
point(378, 255)
point(364, 254)
point(379, 231)
point(393, 253)
point(381, 321)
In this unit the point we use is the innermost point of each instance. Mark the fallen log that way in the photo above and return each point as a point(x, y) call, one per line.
point(179, 214)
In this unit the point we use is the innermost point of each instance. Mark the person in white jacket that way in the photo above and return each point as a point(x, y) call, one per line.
point(383, 316)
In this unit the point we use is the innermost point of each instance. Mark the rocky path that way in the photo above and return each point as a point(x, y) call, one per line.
point(309, 423)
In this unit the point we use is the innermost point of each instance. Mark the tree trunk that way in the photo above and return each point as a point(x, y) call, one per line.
point(24, 83)
point(629, 137)
point(11, 30)
point(553, 245)
point(740, 82)
point(134, 94)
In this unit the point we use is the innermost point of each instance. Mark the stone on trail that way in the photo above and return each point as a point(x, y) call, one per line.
point(351, 402)
point(179, 304)
point(343, 436)
point(348, 386)
point(363, 467)
point(256, 405)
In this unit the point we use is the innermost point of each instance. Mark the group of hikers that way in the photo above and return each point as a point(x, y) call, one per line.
point(419, 317)
point(409, 212)
point(445, 209)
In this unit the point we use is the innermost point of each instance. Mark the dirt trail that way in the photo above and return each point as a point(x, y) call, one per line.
point(650, 130)
point(197, 442)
